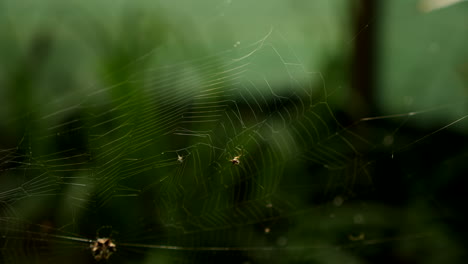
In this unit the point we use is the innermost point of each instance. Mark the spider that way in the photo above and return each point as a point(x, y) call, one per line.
point(180, 158)
point(102, 248)
point(236, 159)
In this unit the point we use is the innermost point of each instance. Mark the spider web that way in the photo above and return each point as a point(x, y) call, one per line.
point(147, 160)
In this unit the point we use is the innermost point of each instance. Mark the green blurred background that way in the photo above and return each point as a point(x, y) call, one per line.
point(390, 78)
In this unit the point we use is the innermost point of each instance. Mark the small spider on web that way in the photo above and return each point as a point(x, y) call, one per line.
point(236, 159)
point(181, 158)
point(103, 247)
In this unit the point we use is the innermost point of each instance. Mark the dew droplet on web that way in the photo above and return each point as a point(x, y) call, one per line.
point(358, 219)
point(338, 201)
point(388, 140)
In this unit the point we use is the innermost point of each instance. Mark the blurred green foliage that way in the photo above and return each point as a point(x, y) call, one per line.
point(378, 190)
